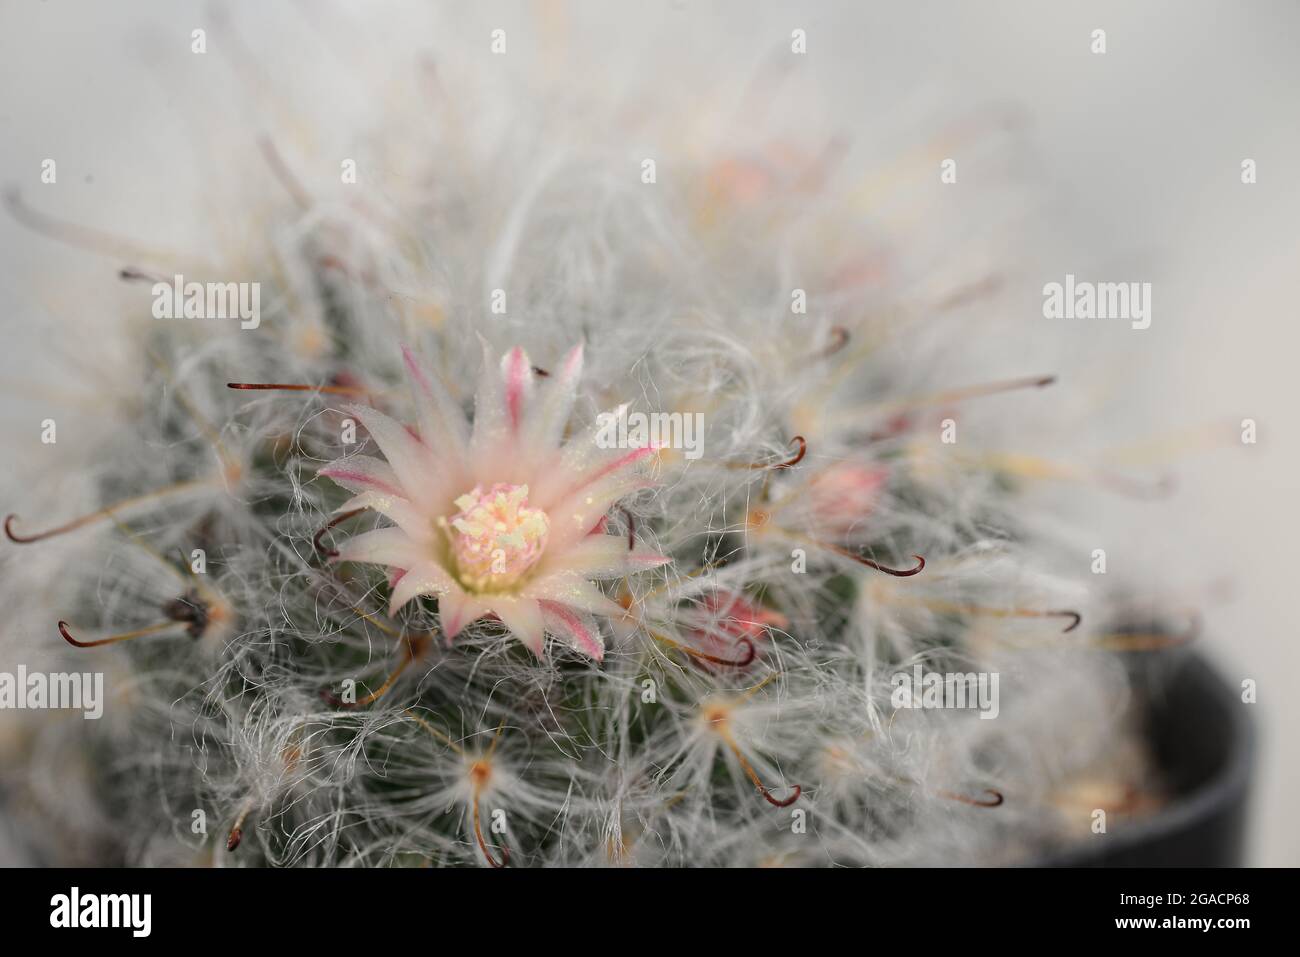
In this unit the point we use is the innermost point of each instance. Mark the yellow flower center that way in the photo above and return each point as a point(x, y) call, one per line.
point(495, 537)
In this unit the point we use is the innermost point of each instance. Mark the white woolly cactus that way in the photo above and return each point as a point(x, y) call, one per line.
point(537, 633)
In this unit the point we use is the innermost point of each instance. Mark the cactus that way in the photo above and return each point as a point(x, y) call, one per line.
point(687, 631)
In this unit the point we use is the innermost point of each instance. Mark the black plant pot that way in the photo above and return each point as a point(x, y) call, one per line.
point(1203, 740)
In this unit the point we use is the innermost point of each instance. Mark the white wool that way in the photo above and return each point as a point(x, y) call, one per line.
point(681, 293)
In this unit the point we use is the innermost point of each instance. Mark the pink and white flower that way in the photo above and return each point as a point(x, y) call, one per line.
point(503, 518)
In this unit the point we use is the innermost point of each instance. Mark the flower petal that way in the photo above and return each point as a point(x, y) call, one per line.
point(570, 589)
point(549, 415)
point(523, 616)
point(412, 461)
point(574, 517)
point(493, 453)
point(443, 428)
point(575, 629)
point(384, 546)
point(583, 462)
point(456, 609)
point(408, 518)
point(424, 578)
point(363, 473)
point(517, 374)
point(602, 556)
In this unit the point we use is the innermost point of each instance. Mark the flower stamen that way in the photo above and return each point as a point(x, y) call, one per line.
point(495, 537)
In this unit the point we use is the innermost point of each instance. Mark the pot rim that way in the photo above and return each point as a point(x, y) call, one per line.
point(1229, 781)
